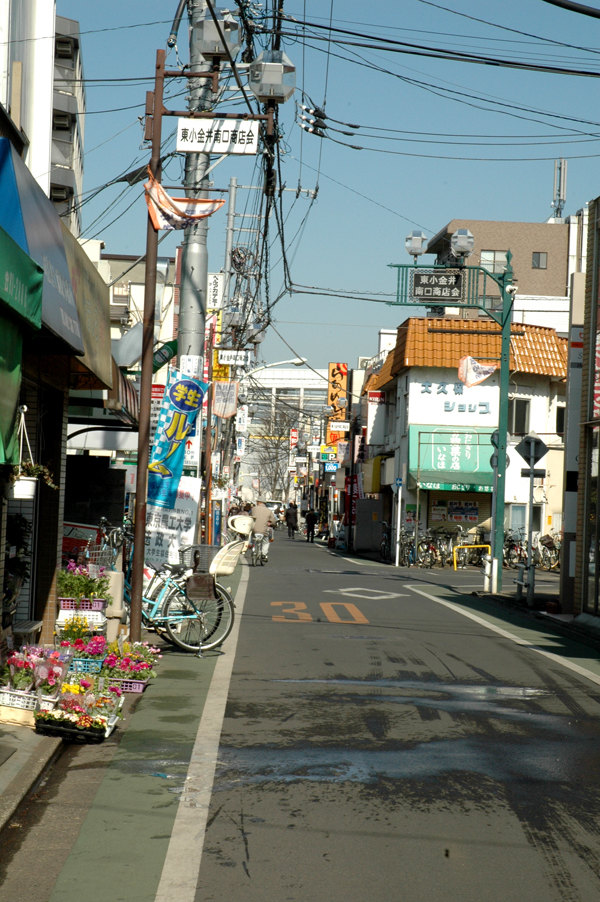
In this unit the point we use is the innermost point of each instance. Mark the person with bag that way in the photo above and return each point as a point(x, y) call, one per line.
point(291, 519)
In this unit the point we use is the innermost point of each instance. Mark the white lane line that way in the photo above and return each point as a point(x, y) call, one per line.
point(179, 878)
point(564, 662)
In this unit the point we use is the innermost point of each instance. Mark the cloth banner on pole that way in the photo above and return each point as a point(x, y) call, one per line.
point(472, 373)
point(179, 409)
point(225, 399)
point(176, 212)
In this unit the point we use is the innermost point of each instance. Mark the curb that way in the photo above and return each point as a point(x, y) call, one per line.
point(45, 750)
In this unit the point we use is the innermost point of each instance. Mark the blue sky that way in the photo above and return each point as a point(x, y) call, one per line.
point(442, 139)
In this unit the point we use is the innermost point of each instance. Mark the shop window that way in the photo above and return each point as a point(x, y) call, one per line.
point(518, 416)
point(539, 260)
point(518, 517)
point(560, 419)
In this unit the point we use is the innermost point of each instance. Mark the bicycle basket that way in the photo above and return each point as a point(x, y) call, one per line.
point(547, 541)
point(198, 557)
point(99, 556)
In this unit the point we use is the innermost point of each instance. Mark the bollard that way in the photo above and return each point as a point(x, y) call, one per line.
point(487, 572)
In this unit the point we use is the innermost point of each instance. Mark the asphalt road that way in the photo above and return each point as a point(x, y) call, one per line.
point(379, 744)
point(369, 734)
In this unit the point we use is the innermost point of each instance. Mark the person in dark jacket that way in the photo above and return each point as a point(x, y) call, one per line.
point(291, 519)
point(311, 522)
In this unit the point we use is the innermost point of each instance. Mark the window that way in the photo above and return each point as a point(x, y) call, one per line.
point(518, 416)
point(560, 419)
point(493, 261)
point(539, 260)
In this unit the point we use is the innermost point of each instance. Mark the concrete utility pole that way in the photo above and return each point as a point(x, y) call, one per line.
point(194, 257)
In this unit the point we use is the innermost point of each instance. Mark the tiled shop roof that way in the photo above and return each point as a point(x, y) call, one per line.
point(443, 341)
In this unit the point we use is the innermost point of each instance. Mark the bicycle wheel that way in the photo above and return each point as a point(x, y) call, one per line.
point(425, 554)
point(198, 625)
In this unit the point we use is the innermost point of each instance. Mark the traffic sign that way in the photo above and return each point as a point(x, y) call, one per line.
point(531, 448)
point(398, 482)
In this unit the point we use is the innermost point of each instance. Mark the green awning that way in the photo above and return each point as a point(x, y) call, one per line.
point(450, 460)
point(21, 281)
point(11, 344)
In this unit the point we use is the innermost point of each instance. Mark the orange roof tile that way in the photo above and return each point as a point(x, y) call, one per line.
point(424, 341)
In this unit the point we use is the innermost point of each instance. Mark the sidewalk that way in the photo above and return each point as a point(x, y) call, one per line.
point(163, 715)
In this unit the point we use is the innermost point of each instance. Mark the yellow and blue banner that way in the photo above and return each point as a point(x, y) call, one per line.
point(176, 421)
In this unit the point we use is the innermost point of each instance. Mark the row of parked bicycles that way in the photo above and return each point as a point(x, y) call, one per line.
point(442, 547)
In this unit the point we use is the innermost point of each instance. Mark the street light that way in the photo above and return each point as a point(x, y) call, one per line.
point(296, 361)
point(472, 293)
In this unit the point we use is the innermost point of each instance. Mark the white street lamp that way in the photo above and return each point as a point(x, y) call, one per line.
point(296, 361)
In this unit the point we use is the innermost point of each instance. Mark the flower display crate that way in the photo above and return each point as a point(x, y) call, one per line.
point(17, 706)
point(85, 665)
point(96, 621)
point(128, 685)
point(69, 732)
point(83, 604)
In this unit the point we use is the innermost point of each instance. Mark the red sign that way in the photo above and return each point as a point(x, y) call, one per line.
point(293, 438)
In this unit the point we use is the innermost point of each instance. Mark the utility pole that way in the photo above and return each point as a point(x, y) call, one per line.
point(194, 257)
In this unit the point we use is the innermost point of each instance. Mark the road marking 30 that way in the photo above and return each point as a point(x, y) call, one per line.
point(296, 612)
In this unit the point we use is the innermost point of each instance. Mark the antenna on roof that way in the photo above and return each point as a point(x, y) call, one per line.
point(560, 187)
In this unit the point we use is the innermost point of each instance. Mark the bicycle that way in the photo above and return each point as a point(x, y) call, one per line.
point(385, 548)
point(191, 609)
point(255, 550)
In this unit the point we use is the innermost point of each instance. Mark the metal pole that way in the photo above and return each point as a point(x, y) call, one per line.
point(143, 452)
point(530, 564)
point(194, 256)
point(504, 282)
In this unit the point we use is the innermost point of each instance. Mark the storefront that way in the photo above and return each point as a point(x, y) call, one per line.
point(53, 356)
point(450, 476)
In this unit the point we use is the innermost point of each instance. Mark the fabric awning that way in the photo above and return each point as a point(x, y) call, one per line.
point(32, 222)
point(450, 460)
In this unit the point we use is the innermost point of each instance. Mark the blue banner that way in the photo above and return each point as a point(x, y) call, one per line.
point(181, 403)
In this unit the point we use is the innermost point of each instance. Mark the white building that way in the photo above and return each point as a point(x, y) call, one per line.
point(427, 428)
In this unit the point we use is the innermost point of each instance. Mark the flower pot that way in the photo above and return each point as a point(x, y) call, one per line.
point(23, 488)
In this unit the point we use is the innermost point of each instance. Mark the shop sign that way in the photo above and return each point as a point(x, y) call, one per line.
point(218, 136)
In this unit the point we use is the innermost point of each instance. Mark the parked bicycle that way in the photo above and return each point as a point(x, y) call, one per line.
point(385, 548)
point(191, 609)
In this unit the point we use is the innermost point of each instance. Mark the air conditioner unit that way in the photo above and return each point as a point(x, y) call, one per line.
point(61, 121)
point(64, 48)
point(363, 362)
point(59, 194)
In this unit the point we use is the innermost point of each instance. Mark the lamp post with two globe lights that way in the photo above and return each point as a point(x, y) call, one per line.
point(471, 283)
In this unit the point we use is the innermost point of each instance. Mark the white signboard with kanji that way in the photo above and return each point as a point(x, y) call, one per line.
point(217, 136)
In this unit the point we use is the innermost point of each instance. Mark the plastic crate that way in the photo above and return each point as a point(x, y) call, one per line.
point(128, 685)
point(84, 604)
point(85, 665)
point(198, 557)
point(18, 698)
point(96, 621)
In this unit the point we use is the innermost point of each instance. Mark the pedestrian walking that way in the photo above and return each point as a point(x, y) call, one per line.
point(263, 519)
point(291, 519)
point(311, 521)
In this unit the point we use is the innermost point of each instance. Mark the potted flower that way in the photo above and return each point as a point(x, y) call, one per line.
point(48, 672)
point(84, 713)
point(128, 672)
point(88, 653)
point(78, 589)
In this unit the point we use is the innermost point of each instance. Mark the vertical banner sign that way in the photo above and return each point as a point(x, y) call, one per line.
point(337, 399)
point(293, 438)
point(181, 402)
